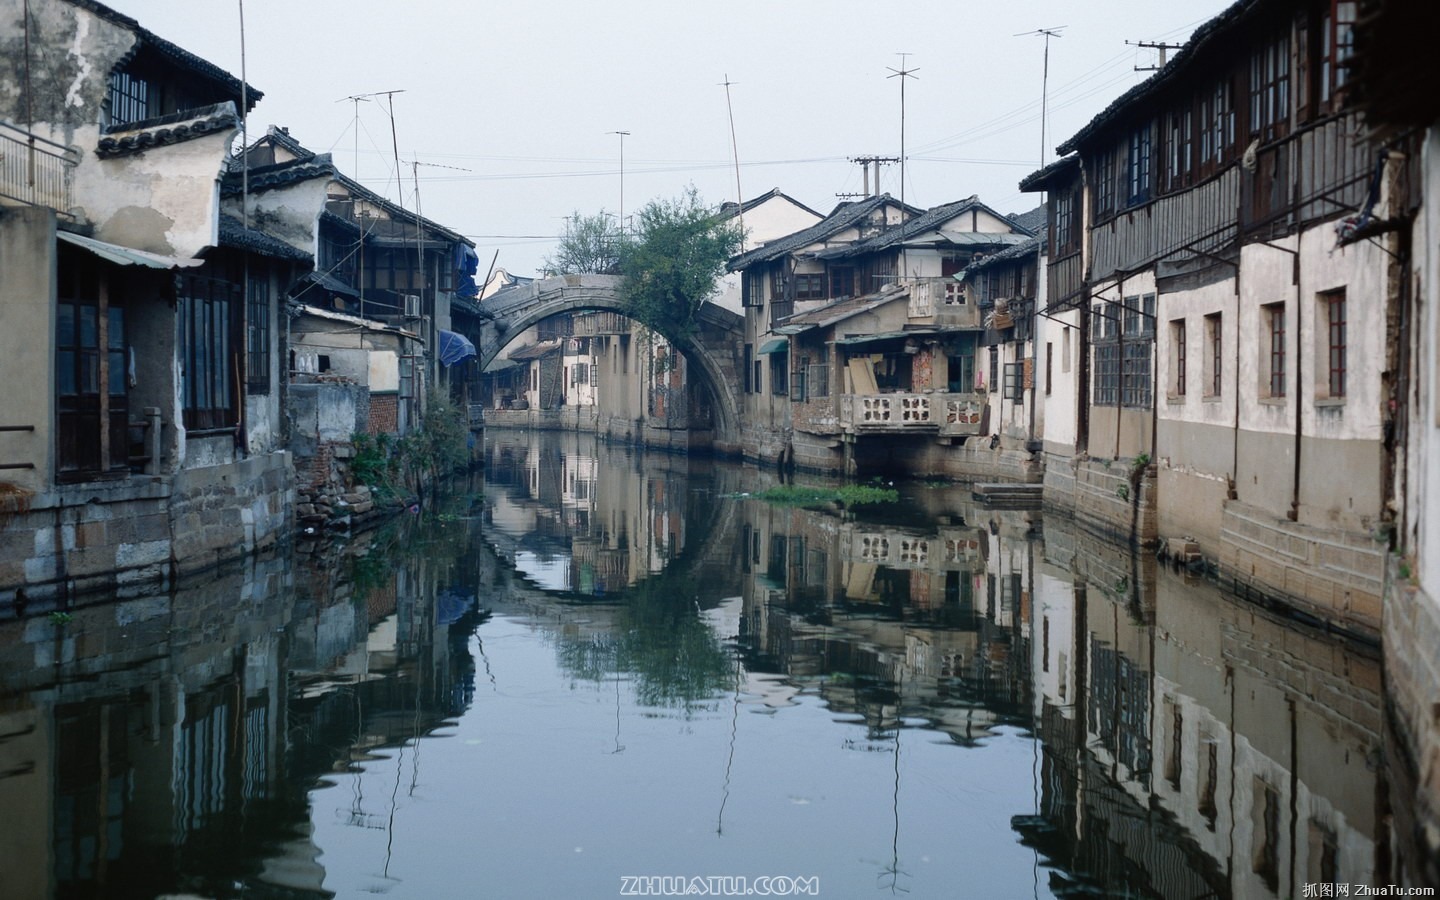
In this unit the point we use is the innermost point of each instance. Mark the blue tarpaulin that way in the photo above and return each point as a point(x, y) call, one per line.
point(467, 263)
point(454, 348)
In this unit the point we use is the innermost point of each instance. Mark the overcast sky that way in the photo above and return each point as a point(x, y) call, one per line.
point(519, 99)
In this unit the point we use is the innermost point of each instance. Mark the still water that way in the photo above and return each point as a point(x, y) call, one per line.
point(592, 665)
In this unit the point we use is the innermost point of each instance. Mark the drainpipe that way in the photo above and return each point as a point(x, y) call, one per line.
point(1299, 387)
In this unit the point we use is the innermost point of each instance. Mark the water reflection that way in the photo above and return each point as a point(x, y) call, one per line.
point(599, 663)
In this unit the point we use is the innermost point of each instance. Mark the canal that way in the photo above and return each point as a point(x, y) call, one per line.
point(591, 665)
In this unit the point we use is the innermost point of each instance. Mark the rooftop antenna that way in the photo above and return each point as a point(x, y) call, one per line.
point(356, 99)
point(902, 73)
point(735, 153)
point(1154, 45)
point(1047, 33)
point(623, 135)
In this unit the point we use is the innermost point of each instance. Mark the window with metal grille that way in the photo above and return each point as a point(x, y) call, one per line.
point(1333, 308)
point(1272, 317)
point(1177, 356)
point(1138, 169)
point(1213, 358)
point(129, 98)
point(1014, 382)
point(257, 336)
point(207, 306)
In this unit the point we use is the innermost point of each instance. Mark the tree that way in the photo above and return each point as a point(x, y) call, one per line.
point(673, 262)
point(587, 247)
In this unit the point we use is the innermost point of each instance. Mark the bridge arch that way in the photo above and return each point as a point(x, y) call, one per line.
point(712, 350)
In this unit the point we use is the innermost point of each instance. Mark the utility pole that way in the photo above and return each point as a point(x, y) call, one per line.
point(866, 162)
point(623, 135)
point(1154, 45)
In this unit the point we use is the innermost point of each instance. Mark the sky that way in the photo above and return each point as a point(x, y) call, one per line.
point(506, 114)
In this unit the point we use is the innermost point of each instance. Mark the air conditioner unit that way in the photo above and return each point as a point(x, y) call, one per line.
point(412, 306)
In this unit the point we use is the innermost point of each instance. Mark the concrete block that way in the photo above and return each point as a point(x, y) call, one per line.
point(129, 556)
point(40, 569)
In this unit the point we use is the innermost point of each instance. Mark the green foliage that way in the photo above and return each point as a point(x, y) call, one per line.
point(673, 261)
point(1123, 492)
point(390, 466)
point(60, 618)
point(588, 246)
point(848, 495)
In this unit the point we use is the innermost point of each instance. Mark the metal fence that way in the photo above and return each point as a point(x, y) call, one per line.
point(33, 170)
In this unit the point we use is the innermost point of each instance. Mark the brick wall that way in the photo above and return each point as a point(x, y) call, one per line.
point(384, 415)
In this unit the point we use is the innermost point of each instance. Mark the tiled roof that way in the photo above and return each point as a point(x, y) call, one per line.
point(928, 221)
point(1211, 32)
point(266, 178)
point(1029, 222)
point(845, 215)
point(536, 351)
point(233, 233)
point(1037, 180)
point(727, 209)
point(1019, 251)
point(170, 129)
point(175, 53)
point(838, 311)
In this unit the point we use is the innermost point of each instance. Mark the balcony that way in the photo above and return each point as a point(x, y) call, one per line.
point(941, 301)
point(34, 171)
point(933, 413)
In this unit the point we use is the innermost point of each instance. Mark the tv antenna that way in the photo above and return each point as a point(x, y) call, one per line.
point(1047, 33)
point(902, 73)
point(1154, 45)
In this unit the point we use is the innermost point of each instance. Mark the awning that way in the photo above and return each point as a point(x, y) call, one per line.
point(454, 348)
point(774, 345)
point(886, 336)
point(125, 256)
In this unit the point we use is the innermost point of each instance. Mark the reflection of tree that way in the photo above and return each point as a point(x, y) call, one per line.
point(658, 637)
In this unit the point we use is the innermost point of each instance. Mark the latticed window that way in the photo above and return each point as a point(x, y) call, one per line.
point(207, 307)
point(1334, 310)
point(129, 98)
point(257, 336)
point(1274, 318)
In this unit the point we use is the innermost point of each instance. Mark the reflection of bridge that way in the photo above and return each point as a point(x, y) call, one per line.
point(712, 349)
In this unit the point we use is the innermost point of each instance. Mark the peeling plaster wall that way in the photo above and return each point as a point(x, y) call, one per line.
point(163, 200)
point(291, 213)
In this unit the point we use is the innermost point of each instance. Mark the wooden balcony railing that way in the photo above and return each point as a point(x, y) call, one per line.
point(35, 171)
point(948, 414)
point(941, 299)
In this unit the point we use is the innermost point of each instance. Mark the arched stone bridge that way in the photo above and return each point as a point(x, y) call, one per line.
point(713, 350)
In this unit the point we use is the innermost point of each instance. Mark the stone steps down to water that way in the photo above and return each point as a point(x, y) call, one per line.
point(1008, 496)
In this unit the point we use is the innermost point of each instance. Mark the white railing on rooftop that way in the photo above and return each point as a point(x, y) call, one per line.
point(33, 170)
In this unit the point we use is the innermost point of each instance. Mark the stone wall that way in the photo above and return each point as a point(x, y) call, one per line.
point(1107, 497)
point(131, 535)
point(1412, 683)
point(1333, 575)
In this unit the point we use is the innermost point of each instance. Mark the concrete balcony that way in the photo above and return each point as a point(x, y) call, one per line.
point(942, 302)
point(938, 413)
point(35, 171)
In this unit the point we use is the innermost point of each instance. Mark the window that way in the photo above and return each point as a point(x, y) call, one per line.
point(779, 380)
point(1138, 167)
point(130, 99)
point(91, 403)
point(752, 289)
point(747, 373)
point(1337, 43)
point(1177, 357)
point(1135, 387)
point(1181, 143)
point(1064, 221)
point(1014, 382)
point(994, 373)
point(1333, 314)
point(1065, 350)
point(257, 337)
point(810, 286)
point(1272, 330)
point(1049, 364)
point(207, 306)
point(961, 368)
point(1270, 88)
point(1107, 374)
point(1213, 363)
point(579, 374)
point(1105, 183)
point(1217, 123)
point(842, 281)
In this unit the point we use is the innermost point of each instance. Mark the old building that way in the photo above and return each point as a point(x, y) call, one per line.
point(1232, 346)
point(139, 323)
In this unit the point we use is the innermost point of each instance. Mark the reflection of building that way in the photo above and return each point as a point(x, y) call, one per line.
point(166, 743)
point(1184, 728)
